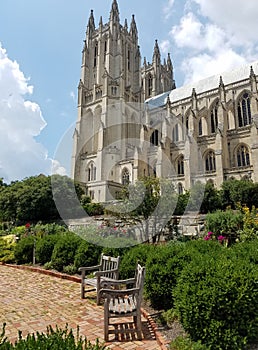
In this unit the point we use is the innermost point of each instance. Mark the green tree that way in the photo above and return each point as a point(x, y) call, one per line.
point(152, 199)
point(32, 199)
point(238, 192)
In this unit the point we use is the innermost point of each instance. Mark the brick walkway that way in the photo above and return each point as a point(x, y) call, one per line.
point(31, 301)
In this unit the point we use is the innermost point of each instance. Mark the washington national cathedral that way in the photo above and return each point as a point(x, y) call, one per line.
point(134, 122)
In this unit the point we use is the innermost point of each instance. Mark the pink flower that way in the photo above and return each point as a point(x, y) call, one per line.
point(221, 238)
point(210, 233)
point(207, 238)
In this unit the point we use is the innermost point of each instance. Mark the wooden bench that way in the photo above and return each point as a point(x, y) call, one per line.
point(123, 299)
point(107, 269)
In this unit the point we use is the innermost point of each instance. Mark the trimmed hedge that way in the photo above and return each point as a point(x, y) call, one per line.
point(216, 299)
point(45, 247)
point(64, 251)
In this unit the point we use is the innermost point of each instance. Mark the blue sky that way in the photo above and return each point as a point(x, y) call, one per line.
point(40, 57)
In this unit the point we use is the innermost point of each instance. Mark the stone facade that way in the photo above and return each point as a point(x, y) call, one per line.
point(133, 122)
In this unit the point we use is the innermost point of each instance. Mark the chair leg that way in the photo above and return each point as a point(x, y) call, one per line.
point(106, 320)
point(139, 327)
point(82, 291)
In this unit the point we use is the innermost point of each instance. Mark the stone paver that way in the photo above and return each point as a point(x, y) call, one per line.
point(31, 301)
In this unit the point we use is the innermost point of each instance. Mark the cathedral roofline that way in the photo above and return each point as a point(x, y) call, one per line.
point(210, 83)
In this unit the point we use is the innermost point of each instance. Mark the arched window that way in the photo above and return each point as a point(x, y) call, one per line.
point(129, 60)
point(125, 177)
point(244, 111)
point(214, 118)
point(105, 50)
point(175, 134)
point(200, 127)
point(180, 188)
point(187, 124)
point(150, 85)
point(180, 165)
point(242, 156)
point(210, 162)
point(95, 55)
point(92, 172)
point(154, 139)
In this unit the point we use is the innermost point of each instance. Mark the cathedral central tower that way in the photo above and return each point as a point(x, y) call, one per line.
point(112, 79)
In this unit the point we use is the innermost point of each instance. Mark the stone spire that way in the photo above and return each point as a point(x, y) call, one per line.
point(91, 25)
point(169, 63)
point(114, 13)
point(100, 22)
point(156, 53)
point(133, 29)
point(126, 25)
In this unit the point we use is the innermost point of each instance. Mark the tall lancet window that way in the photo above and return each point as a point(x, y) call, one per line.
point(95, 55)
point(105, 50)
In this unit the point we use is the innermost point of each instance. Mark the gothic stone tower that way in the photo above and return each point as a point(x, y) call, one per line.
point(111, 90)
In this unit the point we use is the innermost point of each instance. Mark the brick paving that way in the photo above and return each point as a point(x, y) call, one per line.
point(30, 301)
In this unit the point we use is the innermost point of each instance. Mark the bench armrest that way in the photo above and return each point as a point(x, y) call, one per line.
point(89, 268)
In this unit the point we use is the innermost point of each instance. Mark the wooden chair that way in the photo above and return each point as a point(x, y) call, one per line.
point(107, 269)
point(124, 302)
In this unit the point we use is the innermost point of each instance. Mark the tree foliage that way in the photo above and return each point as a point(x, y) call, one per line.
point(31, 199)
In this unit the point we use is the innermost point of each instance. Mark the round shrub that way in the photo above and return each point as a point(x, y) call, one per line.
point(216, 299)
point(45, 247)
point(64, 251)
point(87, 254)
point(165, 265)
point(135, 254)
point(23, 251)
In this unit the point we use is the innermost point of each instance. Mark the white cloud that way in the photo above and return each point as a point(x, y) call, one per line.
point(21, 121)
point(57, 168)
point(167, 9)
point(204, 65)
point(237, 18)
point(213, 36)
point(192, 33)
point(164, 46)
point(72, 95)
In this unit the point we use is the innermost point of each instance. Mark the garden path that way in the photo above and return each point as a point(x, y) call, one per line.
point(31, 301)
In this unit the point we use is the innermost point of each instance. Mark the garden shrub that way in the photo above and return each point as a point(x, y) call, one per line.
point(23, 251)
point(225, 223)
point(58, 339)
point(87, 254)
point(7, 246)
point(93, 209)
point(216, 299)
point(49, 229)
point(45, 247)
point(165, 264)
point(185, 343)
point(163, 267)
point(64, 251)
point(135, 254)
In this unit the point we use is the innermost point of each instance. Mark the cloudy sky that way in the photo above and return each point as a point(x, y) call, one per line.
point(40, 57)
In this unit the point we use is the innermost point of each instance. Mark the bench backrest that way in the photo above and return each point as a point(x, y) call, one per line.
point(139, 280)
point(109, 263)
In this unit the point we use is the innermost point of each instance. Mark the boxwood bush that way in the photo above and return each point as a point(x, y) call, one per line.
point(45, 247)
point(138, 253)
point(216, 298)
point(65, 250)
point(165, 265)
point(87, 254)
point(23, 251)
